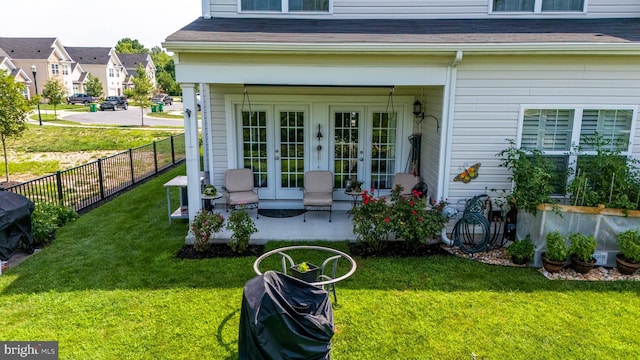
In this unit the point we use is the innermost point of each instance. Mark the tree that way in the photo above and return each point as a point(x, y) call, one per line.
point(55, 92)
point(140, 95)
point(14, 109)
point(129, 46)
point(165, 71)
point(167, 83)
point(93, 86)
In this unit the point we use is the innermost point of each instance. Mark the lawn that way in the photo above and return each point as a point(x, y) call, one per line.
point(110, 287)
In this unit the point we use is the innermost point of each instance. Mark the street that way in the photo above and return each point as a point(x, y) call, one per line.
point(130, 117)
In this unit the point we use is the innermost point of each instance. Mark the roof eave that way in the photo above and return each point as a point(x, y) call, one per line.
point(630, 48)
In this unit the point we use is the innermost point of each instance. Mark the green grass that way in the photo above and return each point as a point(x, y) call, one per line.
point(166, 115)
point(110, 287)
point(40, 167)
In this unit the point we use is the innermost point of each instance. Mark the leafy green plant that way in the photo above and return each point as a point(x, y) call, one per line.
point(210, 190)
point(582, 246)
point(47, 218)
point(357, 185)
point(533, 176)
point(629, 243)
point(204, 224)
point(521, 251)
point(242, 227)
point(372, 222)
point(557, 249)
point(303, 267)
point(608, 177)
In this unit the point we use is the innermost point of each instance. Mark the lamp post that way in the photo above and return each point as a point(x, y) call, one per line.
point(33, 71)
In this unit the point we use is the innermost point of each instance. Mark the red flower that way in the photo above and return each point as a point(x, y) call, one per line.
point(386, 220)
point(414, 212)
point(411, 203)
point(419, 219)
point(366, 201)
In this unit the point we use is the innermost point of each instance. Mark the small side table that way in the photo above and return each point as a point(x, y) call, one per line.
point(356, 199)
point(208, 202)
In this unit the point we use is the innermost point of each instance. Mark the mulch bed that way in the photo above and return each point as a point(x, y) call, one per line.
point(397, 249)
point(218, 251)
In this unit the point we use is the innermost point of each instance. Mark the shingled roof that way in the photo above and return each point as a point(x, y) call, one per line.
point(28, 48)
point(427, 31)
point(89, 55)
point(131, 61)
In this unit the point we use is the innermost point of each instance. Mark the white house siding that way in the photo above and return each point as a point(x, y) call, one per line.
point(429, 9)
point(433, 101)
point(490, 91)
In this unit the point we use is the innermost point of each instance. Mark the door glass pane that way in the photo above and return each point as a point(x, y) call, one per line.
point(346, 147)
point(254, 153)
point(383, 149)
point(291, 149)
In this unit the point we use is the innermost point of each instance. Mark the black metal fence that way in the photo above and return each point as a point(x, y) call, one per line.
point(88, 184)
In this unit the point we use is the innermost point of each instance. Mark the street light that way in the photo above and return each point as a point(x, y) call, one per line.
point(33, 71)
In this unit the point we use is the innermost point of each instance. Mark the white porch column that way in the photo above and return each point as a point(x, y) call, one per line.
point(192, 148)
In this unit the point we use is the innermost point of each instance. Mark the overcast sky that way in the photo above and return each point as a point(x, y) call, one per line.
point(97, 23)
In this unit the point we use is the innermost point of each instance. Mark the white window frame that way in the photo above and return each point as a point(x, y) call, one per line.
point(537, 9)
point(111, 72)
point(285, 10)
point(55, 69)
point(577, 126)
point(65, 69)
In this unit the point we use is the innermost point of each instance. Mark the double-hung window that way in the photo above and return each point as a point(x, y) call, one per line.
point(55, 69)
point(285, 6)
point(538, 6)
point(557, 131)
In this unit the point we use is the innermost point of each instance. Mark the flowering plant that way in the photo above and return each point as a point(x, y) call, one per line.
point(242, 227)
point(204, 224)
point(408, 217)
point(210, 190)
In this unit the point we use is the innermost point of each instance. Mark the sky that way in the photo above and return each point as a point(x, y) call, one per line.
point(97, 23)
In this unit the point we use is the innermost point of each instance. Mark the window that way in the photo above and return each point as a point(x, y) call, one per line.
point(111, 74)
point(285, 5)
point(538, 6)
point(65, 69)
point(556, 131)
point(55, 69)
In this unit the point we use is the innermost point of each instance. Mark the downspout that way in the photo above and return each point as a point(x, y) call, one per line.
point(447, 139)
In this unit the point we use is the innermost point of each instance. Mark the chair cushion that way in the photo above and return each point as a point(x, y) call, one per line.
point(317, 199)
point(318, 181)
point(238, 180)
point(242, 197)
point(407, 181)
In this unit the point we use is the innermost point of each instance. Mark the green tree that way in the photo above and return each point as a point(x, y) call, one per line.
point(93, 86)
point(55, 92)
point(14, 109)
point(167, 83)
point(165, 71)
point(130, 46)
point(141, 94)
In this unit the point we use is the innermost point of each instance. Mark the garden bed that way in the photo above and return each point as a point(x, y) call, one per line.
point(218, 250)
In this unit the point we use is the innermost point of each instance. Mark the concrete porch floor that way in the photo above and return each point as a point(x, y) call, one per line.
point(317, 227)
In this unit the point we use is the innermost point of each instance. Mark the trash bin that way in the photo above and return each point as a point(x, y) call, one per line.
point(15, 224)
point(284, 318)
point(93, 107)
point(160, 107)
point(154, 108)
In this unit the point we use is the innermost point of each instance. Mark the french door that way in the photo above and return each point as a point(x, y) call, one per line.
point(273, 144)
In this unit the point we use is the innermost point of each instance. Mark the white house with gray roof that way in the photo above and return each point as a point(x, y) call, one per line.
point(132, 61)
point(103, 63)
point(542, 72)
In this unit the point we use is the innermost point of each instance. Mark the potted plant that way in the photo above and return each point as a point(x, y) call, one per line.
point(210, 190)
point(305, 272)
point(242, 227)
point(521, 251)
point(554, 258)
point(356, 186)
point(581, 250)
point(628, 260)
point(203, 226)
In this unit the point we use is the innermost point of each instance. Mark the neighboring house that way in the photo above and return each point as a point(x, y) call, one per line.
point(48, 56)
point(273, 74)
point(103, 63)
point(18, 74)
point(80, 78)
point(131, 62)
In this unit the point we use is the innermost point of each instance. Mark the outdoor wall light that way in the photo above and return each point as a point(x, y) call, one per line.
point(419, 113)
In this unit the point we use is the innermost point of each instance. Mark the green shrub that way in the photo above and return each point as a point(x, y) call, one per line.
point(629, 242)
point(582, 246)
point(557, 249)
point(204, 224)
point(242, 227)
point(47, 218)
point(521, 251)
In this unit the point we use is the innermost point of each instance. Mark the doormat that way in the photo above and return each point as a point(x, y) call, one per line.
point(280, 213)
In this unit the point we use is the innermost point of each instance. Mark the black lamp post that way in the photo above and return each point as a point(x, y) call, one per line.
point(33, 71)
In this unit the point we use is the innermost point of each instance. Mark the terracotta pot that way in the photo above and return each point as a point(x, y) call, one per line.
point(551, 265)
point(624, 267)
point(582, 267)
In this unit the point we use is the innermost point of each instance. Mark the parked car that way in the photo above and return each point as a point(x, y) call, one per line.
point(163, 98)
point(81, 99)
point(114, 103)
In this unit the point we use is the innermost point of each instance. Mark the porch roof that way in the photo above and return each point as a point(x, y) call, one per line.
point(415, 31)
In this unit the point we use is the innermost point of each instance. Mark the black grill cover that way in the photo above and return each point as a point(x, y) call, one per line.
point(284, 318)
point(15, 223)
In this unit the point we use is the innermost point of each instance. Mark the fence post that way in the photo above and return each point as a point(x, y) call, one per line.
point(155, 157)
point(59, 185)
point(173, 152)
point(133, 177)
point(100, 178)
